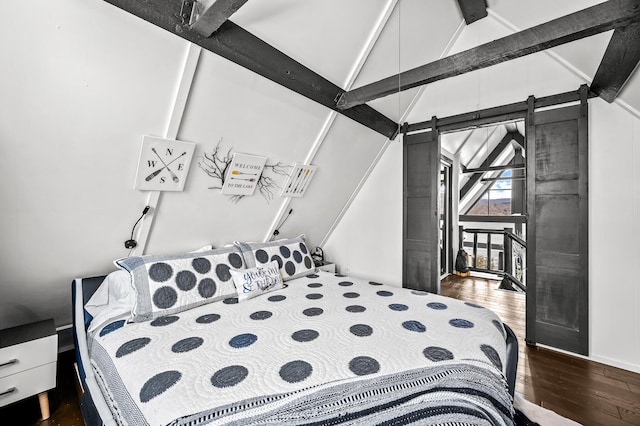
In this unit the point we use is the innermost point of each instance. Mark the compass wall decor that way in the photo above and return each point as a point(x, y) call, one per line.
point(163, 164)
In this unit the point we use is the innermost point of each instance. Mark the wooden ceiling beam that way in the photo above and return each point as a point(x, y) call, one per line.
point(495, 153)
point(237, 45)
point(495, 168)
point(519, 139)
point(584, 23)
point(618, 63)
point(473, 10)
point(209, 15)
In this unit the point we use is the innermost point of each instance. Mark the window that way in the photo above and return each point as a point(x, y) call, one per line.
point(496, 201)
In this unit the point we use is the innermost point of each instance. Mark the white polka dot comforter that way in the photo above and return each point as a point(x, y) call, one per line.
point(326, 349)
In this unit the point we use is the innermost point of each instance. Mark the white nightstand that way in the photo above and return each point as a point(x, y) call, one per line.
point(28, 358)
point(328, 267)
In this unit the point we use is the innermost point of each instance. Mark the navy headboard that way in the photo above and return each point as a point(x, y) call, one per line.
point(85, 286)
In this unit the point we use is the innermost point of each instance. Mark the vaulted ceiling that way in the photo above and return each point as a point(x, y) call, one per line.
point(276, 40)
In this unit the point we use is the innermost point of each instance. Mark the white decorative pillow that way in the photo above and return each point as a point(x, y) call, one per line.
point(169, 284)
point(256, 281)
point(292, 255)
point(114, 298)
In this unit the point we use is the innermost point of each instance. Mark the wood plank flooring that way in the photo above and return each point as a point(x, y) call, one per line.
point(584, 391)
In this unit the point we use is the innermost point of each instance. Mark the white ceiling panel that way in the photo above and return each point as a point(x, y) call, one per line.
point(324, 35)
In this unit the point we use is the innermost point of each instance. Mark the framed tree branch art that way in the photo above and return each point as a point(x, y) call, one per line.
point(238, 175)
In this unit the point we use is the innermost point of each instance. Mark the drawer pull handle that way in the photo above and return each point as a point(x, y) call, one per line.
point(13, 361)
point(9, 391)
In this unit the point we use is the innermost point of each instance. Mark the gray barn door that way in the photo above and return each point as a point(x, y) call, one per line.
point(420, 212)
point(557, 227)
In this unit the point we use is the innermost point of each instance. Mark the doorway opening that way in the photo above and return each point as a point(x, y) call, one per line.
point(487, 196)
point(496, 172)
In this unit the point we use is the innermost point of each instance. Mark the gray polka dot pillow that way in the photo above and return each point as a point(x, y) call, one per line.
point(292, 255)
point(168, 284)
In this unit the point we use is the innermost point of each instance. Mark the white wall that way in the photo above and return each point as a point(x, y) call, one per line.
point(614, 234)
point(614, 192)
point(80, 84)
point(82, 81)
point(367, 242)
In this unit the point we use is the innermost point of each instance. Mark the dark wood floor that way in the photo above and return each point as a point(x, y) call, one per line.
point(587, 392)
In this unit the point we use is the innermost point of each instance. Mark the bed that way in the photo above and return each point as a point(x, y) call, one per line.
point(279, 342)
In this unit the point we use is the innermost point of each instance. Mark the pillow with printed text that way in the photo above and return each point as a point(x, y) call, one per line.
point(257, 281)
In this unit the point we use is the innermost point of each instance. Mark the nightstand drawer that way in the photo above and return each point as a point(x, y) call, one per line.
point(27, 355)
point(27, 383)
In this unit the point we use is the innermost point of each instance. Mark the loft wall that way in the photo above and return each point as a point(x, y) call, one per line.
point(83, 81)
point(367, 242)
point(248, 114)
point(374, 227)
point(614, 218)
point(400, 46)
point(83, 86)
point(80, 85)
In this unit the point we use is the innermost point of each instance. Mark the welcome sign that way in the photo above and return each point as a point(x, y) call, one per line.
point(243, 174)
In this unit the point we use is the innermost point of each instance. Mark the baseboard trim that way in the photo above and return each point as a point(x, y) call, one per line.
point(599, 359)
